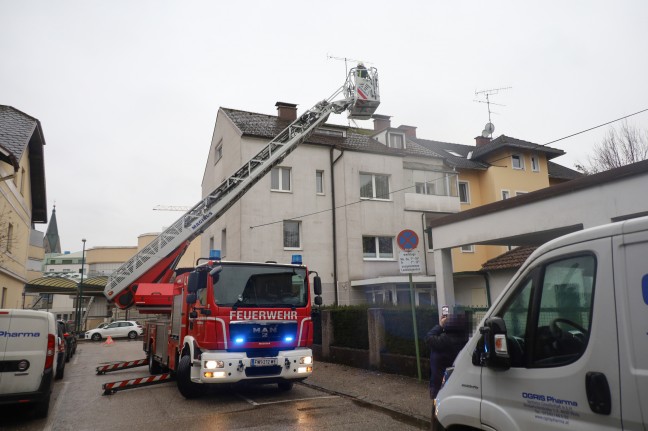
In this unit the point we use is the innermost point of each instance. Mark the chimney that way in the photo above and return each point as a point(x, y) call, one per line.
point(381, 122)
point(410, 131)
point(481, 140)
point(286, 111)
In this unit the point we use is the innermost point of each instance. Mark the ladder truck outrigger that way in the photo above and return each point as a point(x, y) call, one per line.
point(223, 321)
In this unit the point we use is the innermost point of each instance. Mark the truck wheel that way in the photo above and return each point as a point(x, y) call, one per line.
point(154, 366)
point(132, 335)
point(42, 407)
point(285, 385)
point(187, 388)
point(96, 336)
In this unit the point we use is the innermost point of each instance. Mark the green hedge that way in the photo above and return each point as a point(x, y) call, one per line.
point(350, 326)
point(399, 332)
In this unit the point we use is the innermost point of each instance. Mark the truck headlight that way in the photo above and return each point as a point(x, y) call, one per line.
point(306, 360)
point(212, 365)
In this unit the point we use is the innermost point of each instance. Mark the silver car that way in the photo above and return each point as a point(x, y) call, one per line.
point(120, 328)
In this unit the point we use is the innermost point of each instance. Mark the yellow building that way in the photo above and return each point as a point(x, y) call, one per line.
point(22, 203)
point(491, 171)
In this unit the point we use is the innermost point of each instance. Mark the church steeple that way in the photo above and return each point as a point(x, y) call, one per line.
point(52, 242)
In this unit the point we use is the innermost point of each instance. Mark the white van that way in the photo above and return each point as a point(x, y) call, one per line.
point(28, 357)
point(565, 346)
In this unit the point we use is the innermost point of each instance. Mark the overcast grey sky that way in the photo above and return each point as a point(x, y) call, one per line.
point(127, 91)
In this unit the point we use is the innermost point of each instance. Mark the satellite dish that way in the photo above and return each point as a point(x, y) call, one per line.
point(489, 128)
point(485, 133)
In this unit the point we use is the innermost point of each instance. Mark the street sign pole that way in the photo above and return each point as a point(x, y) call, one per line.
point(409, 262)
point(416, 339)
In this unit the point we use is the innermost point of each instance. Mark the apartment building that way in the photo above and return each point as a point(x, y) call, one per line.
point(22, 203)
point(341, 199)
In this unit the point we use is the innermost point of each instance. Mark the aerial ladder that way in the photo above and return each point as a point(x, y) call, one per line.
point(157, 261)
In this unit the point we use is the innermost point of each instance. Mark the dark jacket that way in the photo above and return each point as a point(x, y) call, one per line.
point(445, 344)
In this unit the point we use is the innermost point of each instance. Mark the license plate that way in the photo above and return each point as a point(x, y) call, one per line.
point(263, 362)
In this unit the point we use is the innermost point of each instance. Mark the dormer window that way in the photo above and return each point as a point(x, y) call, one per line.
point(396, 140)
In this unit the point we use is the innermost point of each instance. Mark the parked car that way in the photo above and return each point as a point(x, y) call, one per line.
point(102, 325)
point(61, 352)
point(28, 350)
point(120, 328)
point(70, 339)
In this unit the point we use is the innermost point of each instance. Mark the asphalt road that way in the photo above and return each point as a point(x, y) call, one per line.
point(79, 404)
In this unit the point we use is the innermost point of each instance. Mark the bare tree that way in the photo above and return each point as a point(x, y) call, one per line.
point(620, 147)
point(7, 234)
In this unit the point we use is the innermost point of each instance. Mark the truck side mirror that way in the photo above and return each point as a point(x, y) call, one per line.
point(193, 284)
point(318, 300)
point(495, 352)
point(317, 285)
point(191, 298)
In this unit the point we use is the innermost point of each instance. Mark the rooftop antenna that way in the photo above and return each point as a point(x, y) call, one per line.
point(490, 127)
point(346, 60)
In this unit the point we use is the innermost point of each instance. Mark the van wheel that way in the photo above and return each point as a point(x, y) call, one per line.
point(154, 366)
point(60, 372)
point(285, 386)
point(96, 337)
point(42, 407)
point(132, 335)
point(187, 388)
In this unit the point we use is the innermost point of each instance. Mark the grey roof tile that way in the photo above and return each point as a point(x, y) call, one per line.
point(16, 129)
point(504, 141)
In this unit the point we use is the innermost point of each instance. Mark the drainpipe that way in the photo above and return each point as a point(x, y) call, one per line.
point(425, 249)
point(333, 213)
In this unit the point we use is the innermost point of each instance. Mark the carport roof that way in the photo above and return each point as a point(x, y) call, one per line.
point(93, 286)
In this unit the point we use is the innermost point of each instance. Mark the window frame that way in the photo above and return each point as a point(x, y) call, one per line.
point(280, 170)
point(377, 256)
point(373, 196)
point(467, 187)
point(319, 182)
point(507, 192)
point(299, 235)
point(519, 157)
point(467, 248)
point(395, 134)
point(535, 163)
point(218, 151)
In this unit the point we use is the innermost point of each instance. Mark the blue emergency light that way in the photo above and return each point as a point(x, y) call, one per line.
point(296, 259)
point(214, 255)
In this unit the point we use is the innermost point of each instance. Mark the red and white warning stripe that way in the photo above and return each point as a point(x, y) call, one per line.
point(112, 387)
point(121, 366)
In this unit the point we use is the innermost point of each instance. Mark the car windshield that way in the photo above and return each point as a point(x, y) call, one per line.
point(260, 286)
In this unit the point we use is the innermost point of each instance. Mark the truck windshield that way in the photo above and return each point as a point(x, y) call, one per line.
point(249, 285)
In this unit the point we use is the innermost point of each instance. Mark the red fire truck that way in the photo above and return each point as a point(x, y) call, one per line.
point(222, 321)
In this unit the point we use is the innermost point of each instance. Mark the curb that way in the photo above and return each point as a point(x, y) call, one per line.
point(410, 419)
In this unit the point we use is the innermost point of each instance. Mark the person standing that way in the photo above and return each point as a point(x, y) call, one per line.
point(445, 341)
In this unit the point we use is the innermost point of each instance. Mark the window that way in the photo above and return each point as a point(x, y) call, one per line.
point(396, 141)
point(377, 247)
point(520, 193)
point(535, 164)
point(291, 234)
point(425, 182)
point(467, 248)
point(517, 161)
point(211, 243)
point(3, 298)
point(319, 182)
point(223, 243)
point(556, 331)
point(464, 192)
point(373, 186)
point(218, 151)
point(10, 233)
point(280, 179)
point(506, 194)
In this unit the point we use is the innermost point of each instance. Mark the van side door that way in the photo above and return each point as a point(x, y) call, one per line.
point(631, 288)
point(561, 337)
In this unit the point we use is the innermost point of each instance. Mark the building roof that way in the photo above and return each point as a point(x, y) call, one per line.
point(512, 259)
point(51, 241)
point(562, 172)
point(21, 133)
point(504, 141)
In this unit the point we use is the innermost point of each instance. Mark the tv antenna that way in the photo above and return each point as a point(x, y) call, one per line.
point(346, 60)
point(490, 127)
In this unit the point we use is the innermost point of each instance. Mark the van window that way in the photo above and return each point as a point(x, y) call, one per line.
point(549, 327)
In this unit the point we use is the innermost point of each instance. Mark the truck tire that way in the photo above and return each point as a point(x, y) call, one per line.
point(41, 408)
point(187, 388)
point(154, 366)
point(285, 385)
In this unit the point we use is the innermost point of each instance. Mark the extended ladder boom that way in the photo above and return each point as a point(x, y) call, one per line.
point(149, 264)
